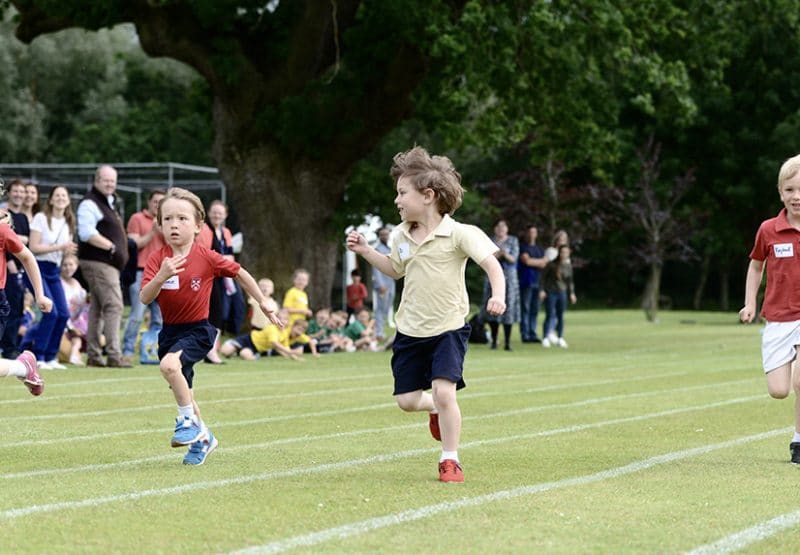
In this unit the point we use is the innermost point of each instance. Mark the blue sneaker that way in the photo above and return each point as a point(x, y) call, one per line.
point(200, 450)
point(186, 432)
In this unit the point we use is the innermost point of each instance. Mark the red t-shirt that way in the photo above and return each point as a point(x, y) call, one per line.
point(141, 223)
point(186, 296)
point(9, 242)
point(356, 293)
point(778, 246)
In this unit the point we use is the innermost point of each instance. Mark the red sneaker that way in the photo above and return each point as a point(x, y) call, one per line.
point(433, 425)
point(450, 471)
point(32, 380)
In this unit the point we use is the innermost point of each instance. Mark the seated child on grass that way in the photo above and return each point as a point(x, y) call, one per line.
point(273, 341)
point(362, 331)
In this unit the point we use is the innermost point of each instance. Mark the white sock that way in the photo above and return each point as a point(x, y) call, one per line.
point(186, 412)
point(449, 455)
point(796, 437)
point(16, 368)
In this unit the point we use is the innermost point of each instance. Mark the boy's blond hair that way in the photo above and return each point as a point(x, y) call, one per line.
point(184, 194)
point(788, 170)
point(437, 173)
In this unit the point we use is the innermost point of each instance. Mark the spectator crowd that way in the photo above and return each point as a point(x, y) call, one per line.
point(90, 261)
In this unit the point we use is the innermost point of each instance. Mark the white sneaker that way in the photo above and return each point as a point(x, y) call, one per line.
point(546, 343)
point(553, 338)
point(54, 365)
point(562, 343)
point(43, 365)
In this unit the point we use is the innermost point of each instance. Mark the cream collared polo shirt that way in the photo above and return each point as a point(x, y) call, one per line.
point(435, 293)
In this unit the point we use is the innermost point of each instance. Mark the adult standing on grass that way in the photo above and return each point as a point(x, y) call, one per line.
point(507, 254)
point(181, 275)
point(103, 252)
point(529, 267)
point(51, 238)
point(145, 233)
point(776, 249)
point(15, 275)
point(383, 288)
point(558, 286)
point(430, 250)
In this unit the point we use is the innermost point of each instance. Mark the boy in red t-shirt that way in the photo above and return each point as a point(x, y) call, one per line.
point(356, 293)
point(776, 248)
point(25, 367)
point(180, 275)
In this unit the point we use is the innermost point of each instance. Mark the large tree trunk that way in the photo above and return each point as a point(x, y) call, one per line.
point(705, 267)
point(285, 208)
point(652, 291)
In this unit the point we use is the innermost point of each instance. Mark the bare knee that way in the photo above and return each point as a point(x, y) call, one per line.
point(778, 393)
point(444, 394)
point(170, 365)
point(408, 402)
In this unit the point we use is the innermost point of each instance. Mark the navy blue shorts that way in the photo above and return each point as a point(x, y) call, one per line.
point(417, 361)
point(195, 339)
point(245, 342)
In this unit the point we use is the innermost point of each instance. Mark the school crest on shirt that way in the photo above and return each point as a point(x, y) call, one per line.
point(195, 284)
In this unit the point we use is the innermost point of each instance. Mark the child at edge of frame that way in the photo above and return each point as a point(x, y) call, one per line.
point(430, 249)
point(24, 367)
point(776, 249)
point(180, 275)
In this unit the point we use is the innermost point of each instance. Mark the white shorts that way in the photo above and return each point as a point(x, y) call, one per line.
point(779, 343)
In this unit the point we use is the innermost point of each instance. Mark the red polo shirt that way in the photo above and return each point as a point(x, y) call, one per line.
point(186, 296)
point(9, 242)
point(778, 246)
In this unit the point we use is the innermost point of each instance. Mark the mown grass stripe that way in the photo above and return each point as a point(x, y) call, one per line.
point(387, 457)
point(364, 526)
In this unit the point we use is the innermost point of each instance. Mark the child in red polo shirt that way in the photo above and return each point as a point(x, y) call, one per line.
point(777, 247)
point(180, 275)
point(25, 366)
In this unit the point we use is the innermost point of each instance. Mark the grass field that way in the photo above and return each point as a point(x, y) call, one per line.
point(639, 438)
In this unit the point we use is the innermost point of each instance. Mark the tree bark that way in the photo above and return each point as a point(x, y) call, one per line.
point(702, 279)
point(652, 291)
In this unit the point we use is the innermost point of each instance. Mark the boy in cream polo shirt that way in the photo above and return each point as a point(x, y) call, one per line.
point(777, 247)
point(430, 250)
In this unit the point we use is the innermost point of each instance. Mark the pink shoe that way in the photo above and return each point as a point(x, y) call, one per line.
point(450, 471)
point(32, 380)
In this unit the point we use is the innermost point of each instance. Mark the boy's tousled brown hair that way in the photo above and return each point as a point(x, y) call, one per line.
point(184, 194)
point(437, 173)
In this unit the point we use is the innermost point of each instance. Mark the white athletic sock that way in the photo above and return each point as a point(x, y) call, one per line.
point(796, 437)
point(186, 412)
point(449, 455)
point(16, 368)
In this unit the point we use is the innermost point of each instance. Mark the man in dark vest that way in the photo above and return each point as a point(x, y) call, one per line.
point(103, 252)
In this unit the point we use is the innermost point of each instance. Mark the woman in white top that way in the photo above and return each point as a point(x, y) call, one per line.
point(50, 239)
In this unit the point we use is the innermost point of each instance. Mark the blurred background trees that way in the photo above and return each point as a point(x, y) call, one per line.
point(575, 115)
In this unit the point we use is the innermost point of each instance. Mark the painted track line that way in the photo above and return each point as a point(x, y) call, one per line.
point(362, 527)
point(284, 418)
point(93, 502)
point(749, 536)
point(339, 435)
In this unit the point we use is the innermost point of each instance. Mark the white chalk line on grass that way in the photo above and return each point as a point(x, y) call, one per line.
point(365, 526)
point(339, 435)
point(265, 420)
point(749, 536)
point(205, 402)
point(163, 385)
point(387, 457)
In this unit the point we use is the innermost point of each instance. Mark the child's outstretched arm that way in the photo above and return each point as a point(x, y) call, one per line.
point(496, 304)
point(250, 286)
point(358, 244)
point(29, 263)
point(754, 273)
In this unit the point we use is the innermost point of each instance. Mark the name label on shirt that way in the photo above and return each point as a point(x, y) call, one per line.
point(404, 250)
point(171, 283)
point(783, 250)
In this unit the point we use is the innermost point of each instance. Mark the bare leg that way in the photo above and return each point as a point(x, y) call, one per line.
point(444, 398)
